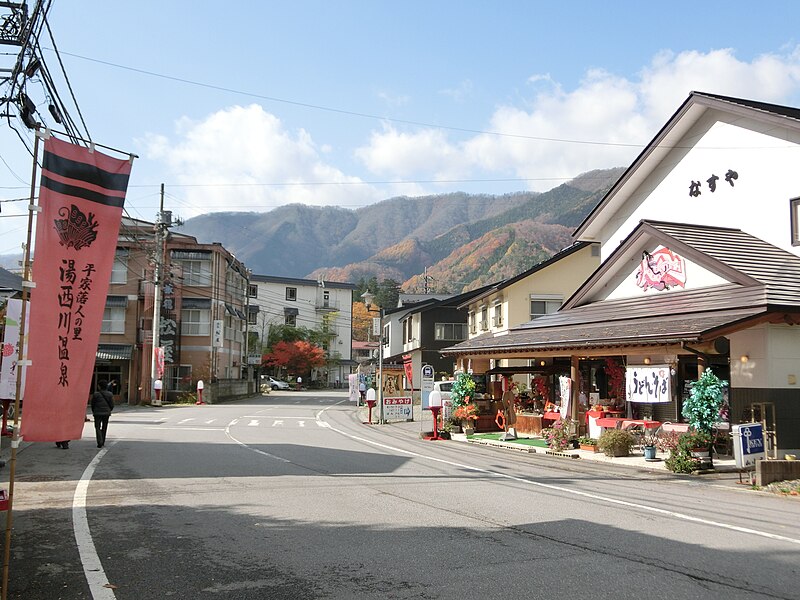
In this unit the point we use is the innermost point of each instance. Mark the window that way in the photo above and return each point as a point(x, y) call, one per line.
point(196, 272)
point(543, 305)
point(113, 319)
point(291, 294)
point(252, 290)
point(181, 378)
point(794, 205)
point(450, 332)
point(485, 318)
point(290, 320)
point(119, 272)
point(195, 321)
point(473, 328)
point(497, 319)
point(252, 318)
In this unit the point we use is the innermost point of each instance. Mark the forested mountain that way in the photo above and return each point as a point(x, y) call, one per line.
point(464, 240)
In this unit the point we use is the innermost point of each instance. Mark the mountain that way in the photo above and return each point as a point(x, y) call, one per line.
point(464, 240)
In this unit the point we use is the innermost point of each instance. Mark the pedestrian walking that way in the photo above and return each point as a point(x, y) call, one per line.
point(102, 405)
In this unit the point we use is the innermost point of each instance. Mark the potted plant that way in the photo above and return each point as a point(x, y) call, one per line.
point(467, 414)
point(649, 443)
point(616, 442)
point(690, 453)
point(588, 443)
point(702, 407)
point(463, 389)
point(558, 436)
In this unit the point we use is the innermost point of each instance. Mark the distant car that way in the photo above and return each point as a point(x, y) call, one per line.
point(445, 387)
point(276, 384)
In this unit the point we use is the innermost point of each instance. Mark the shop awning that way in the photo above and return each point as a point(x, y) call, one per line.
point(580, 335)
point(231, 311)
point(116, 301)
point(196, 303)
point(240, 314)
point(114, 351)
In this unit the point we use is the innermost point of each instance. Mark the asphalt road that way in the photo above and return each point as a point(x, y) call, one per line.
point(291, 496)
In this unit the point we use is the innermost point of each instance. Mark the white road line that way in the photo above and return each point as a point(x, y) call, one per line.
point(188, 428)
point(210, 421)
point(301, 423)
point(253, 423)
point(277, 423)
point(92, 568)
point(184, 421)
point(591, 496)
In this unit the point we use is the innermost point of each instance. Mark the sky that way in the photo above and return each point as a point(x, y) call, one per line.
point(248, 106)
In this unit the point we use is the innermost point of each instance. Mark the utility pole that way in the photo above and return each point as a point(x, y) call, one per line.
point(158, 260)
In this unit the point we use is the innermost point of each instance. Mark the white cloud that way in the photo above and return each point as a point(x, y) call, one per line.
point(232, 159)
point(611, 116)
point(460, 93)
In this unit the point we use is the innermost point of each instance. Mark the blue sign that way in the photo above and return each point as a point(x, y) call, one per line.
point(749, 443)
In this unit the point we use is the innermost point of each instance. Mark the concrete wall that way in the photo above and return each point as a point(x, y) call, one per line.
point(768, 471)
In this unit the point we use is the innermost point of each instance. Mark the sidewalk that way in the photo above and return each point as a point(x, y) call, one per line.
point(724, 464)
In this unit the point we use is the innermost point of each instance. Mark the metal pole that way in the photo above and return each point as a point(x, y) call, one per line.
point(21, 366)
point(382, 420)
point(157, 299)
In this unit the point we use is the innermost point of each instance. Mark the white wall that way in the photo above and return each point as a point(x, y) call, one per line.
point(758, 203)
point(773, 357)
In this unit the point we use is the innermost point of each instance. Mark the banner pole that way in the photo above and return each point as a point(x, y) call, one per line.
point(21, 366)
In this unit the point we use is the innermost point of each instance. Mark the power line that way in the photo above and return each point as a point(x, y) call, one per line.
point(353, 113)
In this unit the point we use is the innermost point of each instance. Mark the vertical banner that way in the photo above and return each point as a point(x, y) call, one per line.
point(10, 350)
point(408, 366)
point(81, 195)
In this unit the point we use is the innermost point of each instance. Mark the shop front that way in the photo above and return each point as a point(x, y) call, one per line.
point(632, 356)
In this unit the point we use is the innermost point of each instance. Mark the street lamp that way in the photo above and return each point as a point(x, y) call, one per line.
point(368, 299)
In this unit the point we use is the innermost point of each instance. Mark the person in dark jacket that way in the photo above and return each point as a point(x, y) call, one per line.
point(102, 405)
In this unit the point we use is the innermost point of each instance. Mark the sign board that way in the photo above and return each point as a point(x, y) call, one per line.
point(254, 359)
point(648, 384)
point(397, 409)
point(218, 339)
point(376, 326)
point(748, 444)
point(426, 383)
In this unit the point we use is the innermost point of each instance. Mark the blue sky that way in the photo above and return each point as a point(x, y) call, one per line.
point(251, 105)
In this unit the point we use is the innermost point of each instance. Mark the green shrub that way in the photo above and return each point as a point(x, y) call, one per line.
point(616, 442)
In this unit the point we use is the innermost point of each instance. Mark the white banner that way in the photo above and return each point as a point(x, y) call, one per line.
point(10, 350)
point(565, 387)
point(648, 384)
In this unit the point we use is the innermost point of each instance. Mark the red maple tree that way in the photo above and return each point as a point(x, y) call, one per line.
point(296, 357)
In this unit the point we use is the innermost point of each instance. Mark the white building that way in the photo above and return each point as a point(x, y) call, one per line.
point(320, 305)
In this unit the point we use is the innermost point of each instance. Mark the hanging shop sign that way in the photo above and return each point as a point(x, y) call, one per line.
point(649, 385)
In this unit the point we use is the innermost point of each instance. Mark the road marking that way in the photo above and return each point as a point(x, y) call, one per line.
point(92, 567)
point(210, 421)
point(301, 423)
point(253, 423)
point(184, 421)
point(187, 428)
point(277, 423)
point(589, 495)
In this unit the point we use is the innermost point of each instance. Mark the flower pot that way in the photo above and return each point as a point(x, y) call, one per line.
point(590, 447)
point(649, 452)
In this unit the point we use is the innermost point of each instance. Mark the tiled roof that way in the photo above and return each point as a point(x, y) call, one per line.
point(771, 279)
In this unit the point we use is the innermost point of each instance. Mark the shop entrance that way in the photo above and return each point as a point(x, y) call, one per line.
point(112, 374)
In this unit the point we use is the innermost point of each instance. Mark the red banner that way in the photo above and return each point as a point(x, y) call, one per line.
point(408, 365)
point(81, 194)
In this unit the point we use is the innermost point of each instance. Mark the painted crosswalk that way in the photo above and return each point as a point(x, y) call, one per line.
point(248, 421)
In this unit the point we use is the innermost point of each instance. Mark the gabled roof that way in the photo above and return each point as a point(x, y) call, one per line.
point(763, 285)
point(669, 137)
point(493, 288)
point(10, 281)
point(456, 301)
